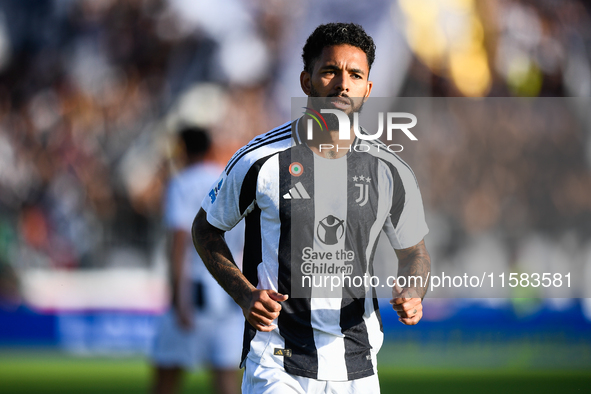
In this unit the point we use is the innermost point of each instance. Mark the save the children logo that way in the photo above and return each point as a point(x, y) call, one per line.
point(330, 230)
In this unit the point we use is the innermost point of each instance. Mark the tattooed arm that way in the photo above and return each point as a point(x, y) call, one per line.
point(260, 307)
point(414, 264)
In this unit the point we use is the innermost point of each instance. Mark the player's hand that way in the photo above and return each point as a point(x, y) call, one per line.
point(408, 308)
point(264, 308)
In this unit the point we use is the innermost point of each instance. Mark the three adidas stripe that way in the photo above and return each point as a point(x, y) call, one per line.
point(297, 193)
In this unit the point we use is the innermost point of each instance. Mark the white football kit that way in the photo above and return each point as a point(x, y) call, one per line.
point(218, 321)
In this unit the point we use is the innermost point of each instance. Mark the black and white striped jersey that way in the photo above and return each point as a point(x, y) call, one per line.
point(308, 217)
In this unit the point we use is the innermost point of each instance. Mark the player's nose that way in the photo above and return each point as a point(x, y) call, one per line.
point(341, 82)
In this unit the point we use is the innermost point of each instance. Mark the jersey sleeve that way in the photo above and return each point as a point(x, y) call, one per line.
point(233, 195)
point(222, 203)
point(406, 225)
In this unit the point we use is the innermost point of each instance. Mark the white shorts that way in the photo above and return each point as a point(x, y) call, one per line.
point(258, 379)
point(216, 340)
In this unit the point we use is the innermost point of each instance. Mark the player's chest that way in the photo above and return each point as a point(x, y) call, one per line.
point(307, 187)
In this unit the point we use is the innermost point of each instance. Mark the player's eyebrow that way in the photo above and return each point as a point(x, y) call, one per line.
point(334, 67)
point(357, 71)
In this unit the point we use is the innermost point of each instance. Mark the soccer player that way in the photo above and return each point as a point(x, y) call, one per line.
point(204, 324)
point(306, 206)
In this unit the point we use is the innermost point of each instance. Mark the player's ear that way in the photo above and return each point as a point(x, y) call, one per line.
point(305, 82)
point(368, 90)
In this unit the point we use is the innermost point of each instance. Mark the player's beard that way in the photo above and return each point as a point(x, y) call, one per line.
point(332, 122)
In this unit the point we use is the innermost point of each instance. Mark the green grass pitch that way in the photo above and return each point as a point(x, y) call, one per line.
point(54, 373)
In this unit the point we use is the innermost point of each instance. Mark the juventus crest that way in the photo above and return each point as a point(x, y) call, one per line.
point(363, 189)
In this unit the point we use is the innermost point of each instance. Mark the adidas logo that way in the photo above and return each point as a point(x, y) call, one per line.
point(297, 193)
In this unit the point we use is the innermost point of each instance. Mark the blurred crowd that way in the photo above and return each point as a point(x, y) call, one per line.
point(91, 91)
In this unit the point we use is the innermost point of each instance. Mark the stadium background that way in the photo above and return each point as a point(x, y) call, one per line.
point(91, 93)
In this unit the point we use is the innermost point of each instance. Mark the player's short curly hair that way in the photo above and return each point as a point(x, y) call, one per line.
point(337, 34)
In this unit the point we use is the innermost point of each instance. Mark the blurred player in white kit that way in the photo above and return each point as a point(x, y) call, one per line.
point(203, 325)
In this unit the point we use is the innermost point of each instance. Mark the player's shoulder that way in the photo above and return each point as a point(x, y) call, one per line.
point(263, 145)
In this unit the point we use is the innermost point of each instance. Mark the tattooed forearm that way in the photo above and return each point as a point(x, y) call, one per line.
point(211, 246)
point(415, 263)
